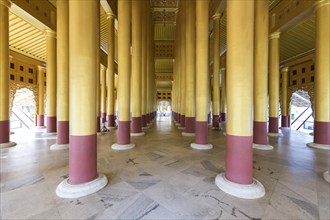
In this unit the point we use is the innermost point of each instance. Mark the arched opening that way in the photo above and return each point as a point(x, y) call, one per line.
point(23, 109)
point(164, 109)
point(301, 112)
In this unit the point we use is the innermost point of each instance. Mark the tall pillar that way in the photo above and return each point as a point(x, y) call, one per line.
point(4, 76)
point(190, 36)
point(83, 177)
point(136, 69)
point(274, 84)
point(223, 105)
point(178, 65)
point(111, 72)
point(41, 93)
point(183, 63)
point(144, 62)
point(62, 141)
point(238, 180)
point(103, 93)
point(202, 76)
point(51, 81)
point(216, 69)
point(123, 90)
point(322, 77)
point(284, 104)
point(98, 83)
point(260, 89)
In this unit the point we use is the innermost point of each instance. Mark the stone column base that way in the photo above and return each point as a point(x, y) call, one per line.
point(262, 146)
point(49, 134)
point(144, 128)
point(111, 128)
point(137, 134)
point(177, 124)
point(181, 128)
point(186, 134)
point(275, 134)
point(40, 127)
point(122, 146)
point(70, 191)
point(201, 146)
point(59, 147)
point(255, 190)
point(8, 144)
point(326, 176)
point(319, 146)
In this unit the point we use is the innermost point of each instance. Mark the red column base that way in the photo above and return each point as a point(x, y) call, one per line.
point(223, 116)
point(285, 121)
point(273, 125)
point(111, 121)
point(136, 125)
point(322, 132)
point(260, 132)
point(51, 124)
point(124, 135)
point(40, 120)
point(4, 131)
point(201, 131)
point(63, 132)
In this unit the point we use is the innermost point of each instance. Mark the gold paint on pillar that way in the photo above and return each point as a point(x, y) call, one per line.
point(111, 66)
point(216, 64)
point(62, 61)
point(274, 75)
point(223, 106)
point(103, 88)
point(202, 65)
point(83, 70)
point(261, 61)
point(41, 88)
point(285, 84)
point(4, 59)
point(322, 57)
point(190, 59)
point(98, 73)
point(124, 58)
point(144, 59)
point(240, 66)
point(51, 73)
point(182, 57)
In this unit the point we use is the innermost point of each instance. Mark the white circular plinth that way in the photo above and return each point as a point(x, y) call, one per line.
point(326, 176)
point(144, 128)
point(319, 146)
point(177, 124)
point(181, 128)
point(254, 190)
point(201, 146)
point(111, 128)
point(186, 134)
point(275, 134)
point(122, 146)
point(137, 134)
point(59, 147)
point(49, 134)
point(8, 144)
point(39, 127)
point(263, 147)
point(69, 191)
point(224, 133)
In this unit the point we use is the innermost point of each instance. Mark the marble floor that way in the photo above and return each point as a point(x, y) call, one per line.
point(163, 178)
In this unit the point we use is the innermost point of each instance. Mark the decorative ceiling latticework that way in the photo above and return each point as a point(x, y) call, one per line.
point(164, 11)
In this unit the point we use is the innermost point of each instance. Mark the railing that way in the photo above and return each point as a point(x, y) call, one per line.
point(26, 120)
point(20, 120)
point(304, 122)
point(300, 115)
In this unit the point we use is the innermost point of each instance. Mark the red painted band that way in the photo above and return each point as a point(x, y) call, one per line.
point(148, 118)
point(216, 121)
point(285, 121)
point(4, 131)
point(40, 120)
point(144, 120)
point(239, 158)
point(103, 117)
point(260, 132)
point(190, 124)
point(136, 124)
point(82, 159)
point(201, 131)
point(183, 123)
point(322, 132)
point(179, 118)
point(98, 124)
point(223, 116)
point(111, 121)
point(273, 124)
point(62, 132)
point(51, 124)
point(124, 133)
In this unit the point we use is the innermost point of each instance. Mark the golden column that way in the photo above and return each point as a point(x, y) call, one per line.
point(83, 177)
point(41, 92)
point(136, 69)
point(103, 93)
point(190, 36)
point(62, 141)
point(223, 106)
point(183, 63)
point(260, 138)
point(4, 76)
point(216, 69)
point(274, 84)
point(123, 90)
point(238, 180)
point(51, 81)
point(202, 76)
point(284, 103)
point(98, 84)
point(322, 76)
point(111, 72)
point(145, 11)
point(177, 61)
